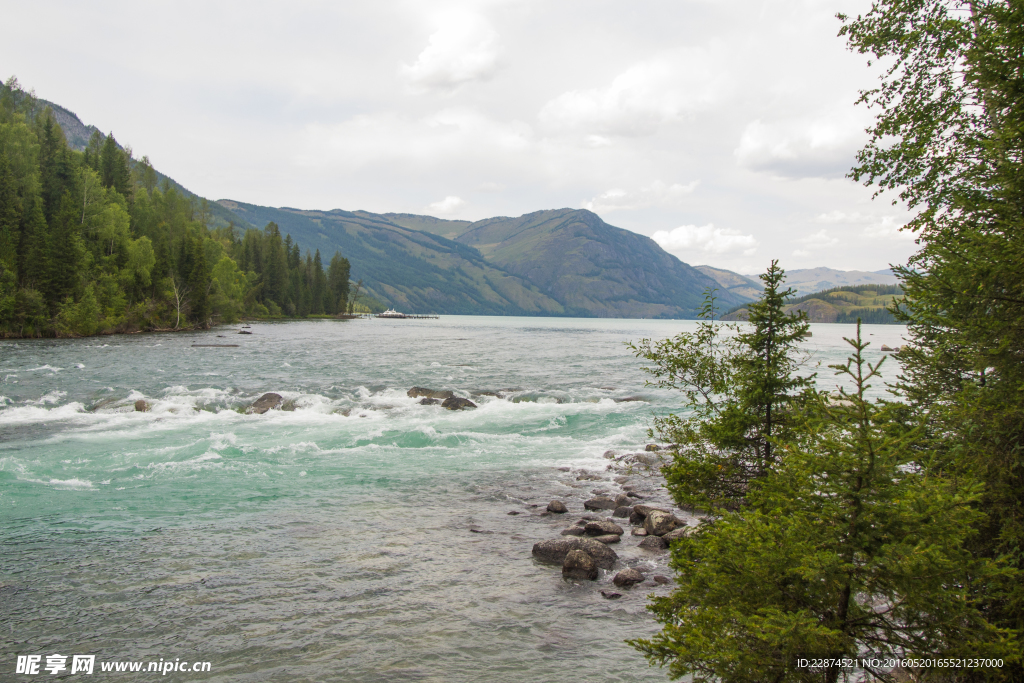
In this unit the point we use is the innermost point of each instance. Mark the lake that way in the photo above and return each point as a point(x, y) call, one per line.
point(355, 535)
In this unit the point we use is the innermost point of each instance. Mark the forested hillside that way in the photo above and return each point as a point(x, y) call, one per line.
point(558, 262)
point(95, 241)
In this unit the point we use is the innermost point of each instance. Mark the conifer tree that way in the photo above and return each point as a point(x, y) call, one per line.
point(319, 284)
point(337, 283)
point(742, 390)
point(199, 285)
point(10, 218)
point(849, 549)
point(949, 139)
point(33, 251)
point(64, 254)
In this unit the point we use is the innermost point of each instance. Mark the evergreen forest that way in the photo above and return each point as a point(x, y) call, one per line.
point(850, 538)
point(93, 242)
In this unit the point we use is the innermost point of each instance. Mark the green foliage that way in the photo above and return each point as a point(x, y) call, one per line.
point(949, 138)
point(89, 243)
point(850, 547)
point(741, 387)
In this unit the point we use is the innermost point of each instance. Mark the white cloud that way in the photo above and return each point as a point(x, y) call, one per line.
point(453, 135)
point(639, 100)
point(838, 216)
point(707, 239)
point(875, 227)
point(464, 49)
point(656, 194)
point(448, 205)
point(889, 229)
point(820, 147)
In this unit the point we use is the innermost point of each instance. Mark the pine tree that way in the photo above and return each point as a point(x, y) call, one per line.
point(319, 285)
point(33, 252)
point(337, 283)
point(849, 549)
point(949, 139)
point(10, 218)
point(199, 285)
point(741, 390)
point(64, 254)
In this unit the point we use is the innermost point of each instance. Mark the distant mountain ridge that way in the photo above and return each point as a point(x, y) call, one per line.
point(556, 262)
point(560, 262)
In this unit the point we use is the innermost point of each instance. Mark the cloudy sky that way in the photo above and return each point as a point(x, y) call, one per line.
point(721, 128)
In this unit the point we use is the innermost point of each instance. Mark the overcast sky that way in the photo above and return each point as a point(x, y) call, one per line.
point(722, 128)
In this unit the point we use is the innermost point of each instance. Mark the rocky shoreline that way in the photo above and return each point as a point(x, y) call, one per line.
point(635, 496)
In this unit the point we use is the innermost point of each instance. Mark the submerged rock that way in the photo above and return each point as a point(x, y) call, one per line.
point(600, 503)
point(264, 403)
point(607, 538)
point(574, 531)
point(611, 595)
point(456, 403)
point(579, 565)
point(429, 401)
point(622, 511)
point(654, 543)
point(555, 550)
point(141, 406)
point(628, 577)
point(417, 392)
point(661, 580)
point(557, 506)
point(602, 527)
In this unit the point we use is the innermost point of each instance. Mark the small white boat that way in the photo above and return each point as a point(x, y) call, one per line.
point(391, 313)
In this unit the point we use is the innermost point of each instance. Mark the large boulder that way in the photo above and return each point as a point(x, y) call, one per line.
point(628, 577)
point(456, 403)
point(141, 406)
point(579, 565)
point(659, 523)
point(417, 392)
point(555, 550)
point(557, 507)
point(600, 503)
point(623, 499)
point(264, 403)
point(602, 527)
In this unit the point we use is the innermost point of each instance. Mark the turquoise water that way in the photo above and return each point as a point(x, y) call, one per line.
point(336, 539)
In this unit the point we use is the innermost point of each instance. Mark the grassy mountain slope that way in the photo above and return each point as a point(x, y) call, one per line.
point(590, 267)
point(436, 226)
point(740, 285)
point(414, 271)
point(842, 305)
